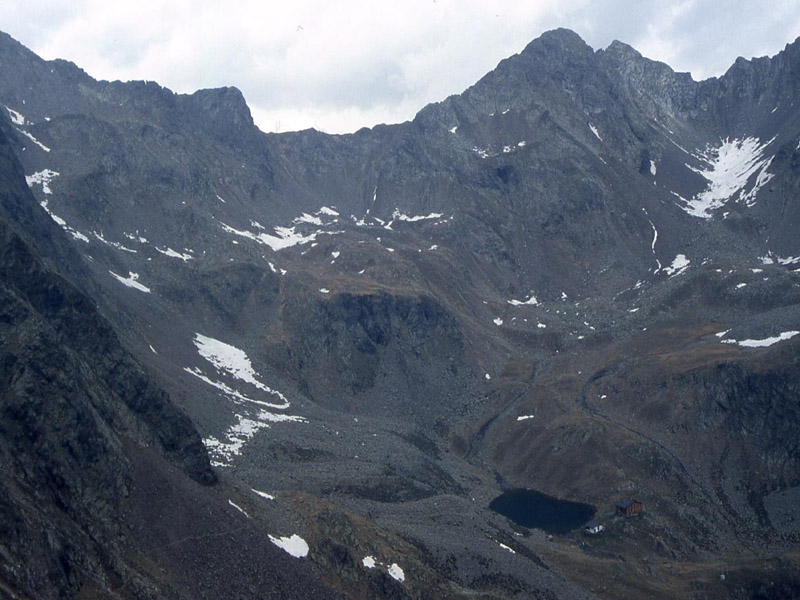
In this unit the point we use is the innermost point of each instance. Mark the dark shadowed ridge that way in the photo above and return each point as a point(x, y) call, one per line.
point(89, 446)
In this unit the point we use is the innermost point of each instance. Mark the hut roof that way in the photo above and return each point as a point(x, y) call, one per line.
point(626, 502)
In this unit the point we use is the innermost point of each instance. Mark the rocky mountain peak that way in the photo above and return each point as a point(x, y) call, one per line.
point(557, 41)
point(555, 51)
point(225, 105)
point(638, 70)
point(622, 54)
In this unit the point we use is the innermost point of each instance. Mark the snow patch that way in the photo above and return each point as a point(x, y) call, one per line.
point(728, 169)
point(235, 363)
point(294, 545)
point(174, 254)
point(532, 301)
point(307, 218)
point(239, 508)
point(264, 495)
point(77, 234)
point(43, 178)
point(34, 140)
point(327, 211)
point(132, 281)
point(786, 335)
point(792, 260)
point(525, 417)
point(655, 239)
point(324, 291)
point(53, 216)
point(135, 237)
point(285, 237)
point(679, 264)
point(504, 547)
point(497, 321)
point(116, 245)
point(222, 451)
point(16, 118)
point(653, 169)
point(595, 132)
point(396, 572)
point(453, 129)
point(398, 216)
point(233, 394)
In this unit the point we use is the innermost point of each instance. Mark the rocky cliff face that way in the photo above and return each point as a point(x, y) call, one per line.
point(580, 275)
point(71, 398)
point(77, 414)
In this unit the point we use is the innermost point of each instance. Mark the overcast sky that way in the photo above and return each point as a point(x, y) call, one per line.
point(339, 65)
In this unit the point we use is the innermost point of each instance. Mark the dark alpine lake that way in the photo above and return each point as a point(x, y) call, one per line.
point(530, 508)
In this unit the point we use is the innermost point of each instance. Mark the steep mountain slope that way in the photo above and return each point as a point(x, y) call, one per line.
point(580, 275)
point(84, 434)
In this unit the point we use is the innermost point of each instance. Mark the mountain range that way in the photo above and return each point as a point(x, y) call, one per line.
point(244, 365)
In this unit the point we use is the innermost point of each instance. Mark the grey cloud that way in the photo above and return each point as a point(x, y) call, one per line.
point(392, 71)
point(365, 85)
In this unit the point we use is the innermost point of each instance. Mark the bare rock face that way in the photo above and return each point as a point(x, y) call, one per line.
point(353, 341)
point(89, 446)
point(72, 398)
point(578, 276)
